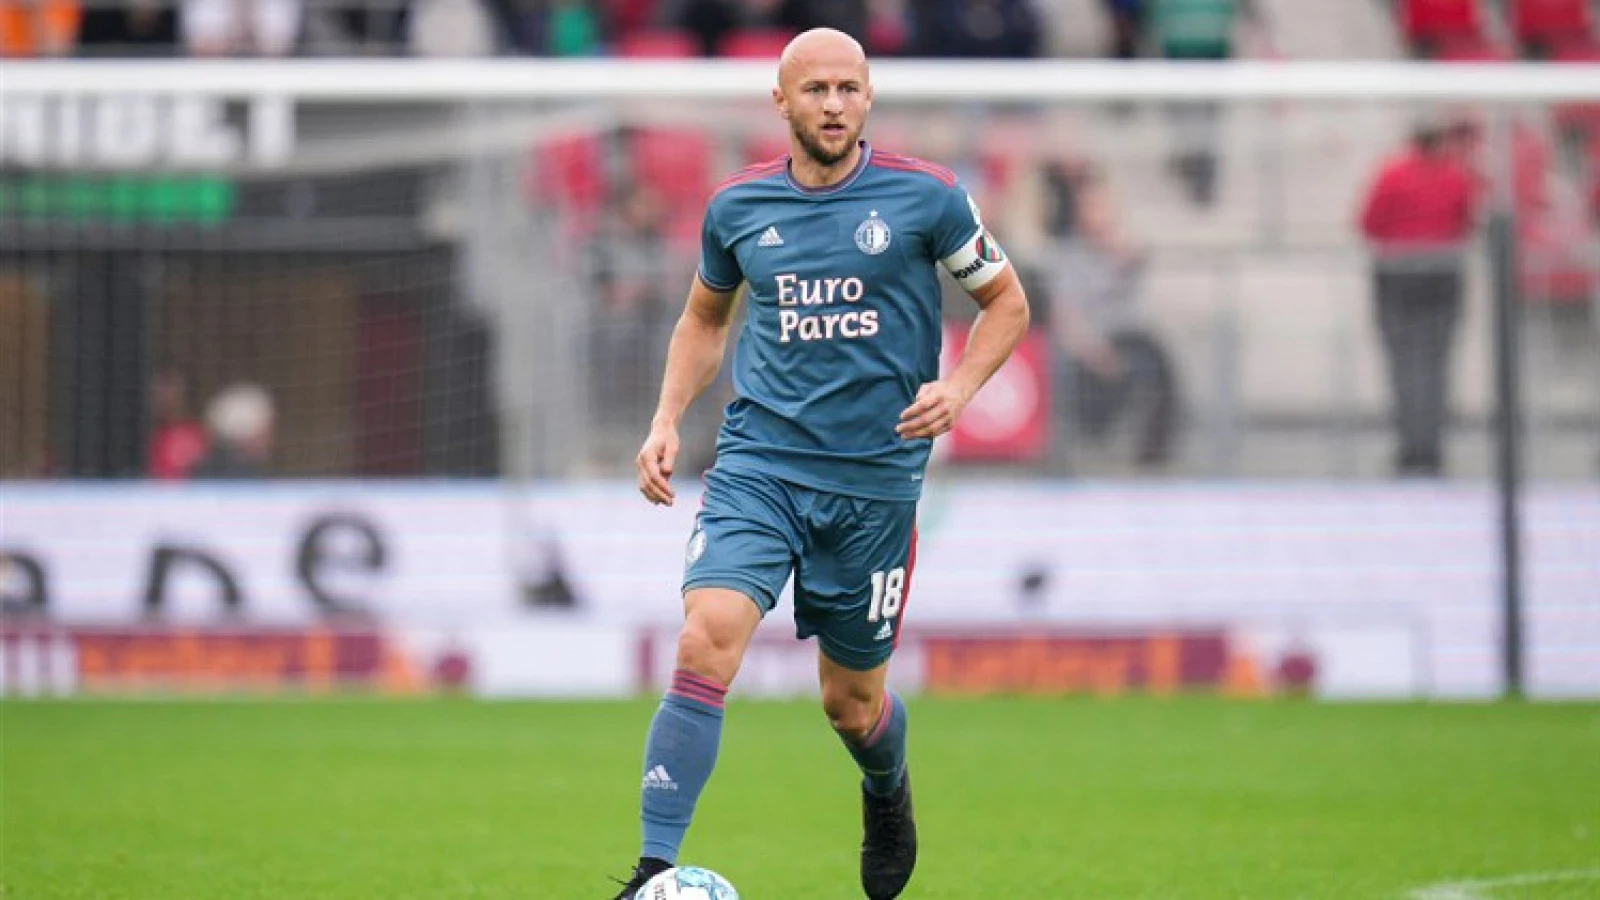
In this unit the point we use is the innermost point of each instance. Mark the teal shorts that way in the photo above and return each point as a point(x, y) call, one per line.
point(851, 558)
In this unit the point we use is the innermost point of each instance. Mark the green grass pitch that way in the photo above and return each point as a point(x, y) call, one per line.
point(1081, 798)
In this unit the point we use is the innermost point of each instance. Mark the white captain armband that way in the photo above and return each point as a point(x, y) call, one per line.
point(977, 261)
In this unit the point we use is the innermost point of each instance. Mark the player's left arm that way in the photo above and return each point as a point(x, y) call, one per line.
point(979, 265)
point(1001, 324)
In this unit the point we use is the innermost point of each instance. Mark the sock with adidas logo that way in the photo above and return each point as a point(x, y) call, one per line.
point(881, 754)
point(678, 758)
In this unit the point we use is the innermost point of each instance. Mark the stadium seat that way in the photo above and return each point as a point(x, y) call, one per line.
point(755, 43)
point(1552, 257)
point(1551, 242)
point(1425, 20)
point(662, 44)
point(1532, 161)
point(764, 147)
point(1430, 25)
point(1544, 26)
point(569, 175)
point(674, 162)
point(625, 17)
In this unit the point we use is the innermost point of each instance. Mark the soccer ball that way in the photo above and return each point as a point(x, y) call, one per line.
point(687, 883)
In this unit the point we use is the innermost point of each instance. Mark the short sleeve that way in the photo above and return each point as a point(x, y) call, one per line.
point(961, 243)
point(958, 221)
point(718, 267)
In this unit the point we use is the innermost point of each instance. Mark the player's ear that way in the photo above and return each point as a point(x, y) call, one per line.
point(777, 100)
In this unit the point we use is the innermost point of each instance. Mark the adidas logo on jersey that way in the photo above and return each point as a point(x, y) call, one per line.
point(770, 238)
point(657, 779)
point(886, 632)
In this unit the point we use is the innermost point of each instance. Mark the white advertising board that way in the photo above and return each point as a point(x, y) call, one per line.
point(1412, 564)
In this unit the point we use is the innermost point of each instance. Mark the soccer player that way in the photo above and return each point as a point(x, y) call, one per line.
point(821, 454)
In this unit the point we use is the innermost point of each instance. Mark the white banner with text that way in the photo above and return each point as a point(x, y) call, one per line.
point(1409, 574)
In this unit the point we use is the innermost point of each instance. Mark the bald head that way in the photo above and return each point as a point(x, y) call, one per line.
point(824, 93)
point(820, 47)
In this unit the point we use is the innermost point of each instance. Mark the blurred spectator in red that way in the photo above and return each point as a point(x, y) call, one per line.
point(241, 27)
point(177, 442)
point(1417, 218)
point(240, 424)
point(38, 27)
point(976, 29)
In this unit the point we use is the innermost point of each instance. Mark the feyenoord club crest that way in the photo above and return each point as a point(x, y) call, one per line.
point(872, 235)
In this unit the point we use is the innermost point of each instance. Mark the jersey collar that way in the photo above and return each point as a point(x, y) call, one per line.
point(861, 166)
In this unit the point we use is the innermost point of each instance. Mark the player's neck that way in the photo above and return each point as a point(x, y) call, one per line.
point(807, 172)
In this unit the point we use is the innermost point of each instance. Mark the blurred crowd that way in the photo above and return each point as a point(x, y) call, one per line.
point(1446, 29)
point(232, 439)
point(1114, 376)
point(557, 28)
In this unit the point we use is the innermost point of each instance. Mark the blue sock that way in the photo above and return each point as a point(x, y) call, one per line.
point(678, 759)
point(882, 753)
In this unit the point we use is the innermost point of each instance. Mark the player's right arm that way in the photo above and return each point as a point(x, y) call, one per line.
point(694, 357)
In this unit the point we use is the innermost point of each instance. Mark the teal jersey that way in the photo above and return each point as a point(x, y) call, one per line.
point(843, 316)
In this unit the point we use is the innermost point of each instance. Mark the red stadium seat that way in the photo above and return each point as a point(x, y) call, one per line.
point(664, 44)
point(624, 17)
point(1434, 26)
point(1531, 166)
point(1546, 25)
point(755, 43)
point(674, 162)
point(1552, 246)
point(760, 149)
point(569, 173)
point(1432, 20)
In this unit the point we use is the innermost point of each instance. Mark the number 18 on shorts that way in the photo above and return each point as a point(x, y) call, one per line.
point(851, 559)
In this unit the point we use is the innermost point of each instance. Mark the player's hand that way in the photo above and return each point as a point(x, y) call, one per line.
point(656, 459)
point(934, 412)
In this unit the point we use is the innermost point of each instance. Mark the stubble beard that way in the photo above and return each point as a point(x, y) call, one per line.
point(812, 145)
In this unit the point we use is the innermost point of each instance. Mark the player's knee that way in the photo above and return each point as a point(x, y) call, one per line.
point(850, 709)
point(708, 651)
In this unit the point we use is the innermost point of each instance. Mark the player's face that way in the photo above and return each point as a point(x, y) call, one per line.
point(825, 96)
